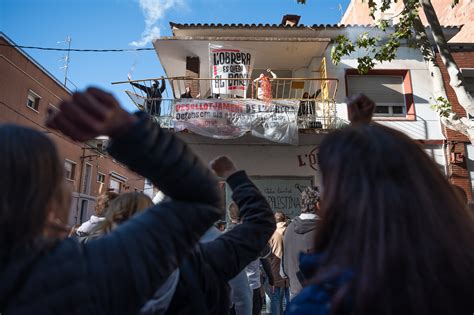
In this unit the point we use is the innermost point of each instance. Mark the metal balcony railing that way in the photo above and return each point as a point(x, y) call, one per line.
point(314, 97)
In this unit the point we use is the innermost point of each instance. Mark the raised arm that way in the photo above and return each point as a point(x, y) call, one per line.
point(234, 250)
point(139, 86)
point(167, 161)
point(274, 76)
point(139, 255)
point(163, 85)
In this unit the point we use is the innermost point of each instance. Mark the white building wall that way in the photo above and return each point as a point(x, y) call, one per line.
point(278, 160)
point(427, 125)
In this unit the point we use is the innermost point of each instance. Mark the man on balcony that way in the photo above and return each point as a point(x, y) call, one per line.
point(153, 96)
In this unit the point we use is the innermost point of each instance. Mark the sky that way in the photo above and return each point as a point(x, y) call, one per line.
point(126, 24)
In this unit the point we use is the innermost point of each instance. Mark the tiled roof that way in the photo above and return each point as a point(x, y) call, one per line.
point(270, 26)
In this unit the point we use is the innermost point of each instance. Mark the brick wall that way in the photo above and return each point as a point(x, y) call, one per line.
point(20, 75)
point(458, 173)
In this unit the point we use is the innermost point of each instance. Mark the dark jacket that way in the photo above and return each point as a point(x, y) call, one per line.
point(299, 238)
point(186, 95)
point(117, 273)
point(202, 287)
point(276, 244)
point(153, 95)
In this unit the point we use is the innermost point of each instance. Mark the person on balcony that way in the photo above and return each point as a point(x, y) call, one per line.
point(264, 91)
point(153, 95)
point(187, 93)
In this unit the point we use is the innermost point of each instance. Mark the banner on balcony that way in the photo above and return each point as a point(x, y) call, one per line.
point(231, 69)
point(228, 119)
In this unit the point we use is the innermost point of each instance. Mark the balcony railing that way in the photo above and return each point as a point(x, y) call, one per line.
point(314, 97)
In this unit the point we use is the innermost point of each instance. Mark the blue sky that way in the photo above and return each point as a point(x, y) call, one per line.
point(114, 24)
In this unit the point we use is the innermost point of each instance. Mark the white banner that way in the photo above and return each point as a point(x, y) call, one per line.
point(228, 119)
point(230, 68)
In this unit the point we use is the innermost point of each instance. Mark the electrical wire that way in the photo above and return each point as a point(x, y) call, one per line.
point(78, 50)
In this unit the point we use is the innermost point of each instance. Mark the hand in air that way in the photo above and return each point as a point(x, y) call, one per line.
point(360, 109)
point(223, 166)
point(90, 114)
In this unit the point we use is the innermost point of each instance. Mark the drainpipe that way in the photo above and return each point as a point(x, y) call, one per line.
point(80, 182)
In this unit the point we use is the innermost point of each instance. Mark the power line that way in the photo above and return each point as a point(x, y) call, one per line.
point(77, 50)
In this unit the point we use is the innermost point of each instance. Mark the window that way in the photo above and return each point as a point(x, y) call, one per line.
point(386, 90)
point(468, 75)
point(101, 178)
point(115, 185)
point(70, 169)
point(86, 185)
point(117, 182)
point(84, 208)
point(33, 101)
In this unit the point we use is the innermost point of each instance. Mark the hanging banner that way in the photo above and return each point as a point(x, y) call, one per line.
point(231, 70)
point(228, 119)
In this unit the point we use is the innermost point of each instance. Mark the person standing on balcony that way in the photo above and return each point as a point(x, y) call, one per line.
point(187, 94)
point(153, 95)
point(264, 91)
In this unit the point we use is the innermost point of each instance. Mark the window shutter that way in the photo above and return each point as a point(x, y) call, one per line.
point(383, 89)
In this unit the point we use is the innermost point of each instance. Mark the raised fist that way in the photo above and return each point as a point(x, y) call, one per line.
point(360, 109)
point(223, 166)
point(90, 114)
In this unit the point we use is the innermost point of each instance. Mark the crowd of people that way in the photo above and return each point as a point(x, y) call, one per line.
point(385, 232)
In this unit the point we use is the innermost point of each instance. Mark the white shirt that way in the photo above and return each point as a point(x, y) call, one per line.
point(308, 216)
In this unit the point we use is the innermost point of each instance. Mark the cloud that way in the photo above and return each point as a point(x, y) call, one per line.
point(154, 11)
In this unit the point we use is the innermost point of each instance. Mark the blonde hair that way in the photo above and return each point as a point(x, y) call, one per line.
point(122, 208)
point(103, 202)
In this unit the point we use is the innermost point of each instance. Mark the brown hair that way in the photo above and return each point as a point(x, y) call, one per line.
point(122, 208)
point(460, 193)
point(31, 185)
point(280, 216)
point(103, 202)
point(391, 217)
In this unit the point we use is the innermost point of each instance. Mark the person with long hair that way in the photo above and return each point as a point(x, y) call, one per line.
point(394, 236)
point(96, 219)
point(41, 273)
point(119, 210)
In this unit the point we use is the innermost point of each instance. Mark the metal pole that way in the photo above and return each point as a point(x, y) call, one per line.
point(68, 40)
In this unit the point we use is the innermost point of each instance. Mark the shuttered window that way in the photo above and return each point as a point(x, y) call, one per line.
point(468, 75)
point(386, 90)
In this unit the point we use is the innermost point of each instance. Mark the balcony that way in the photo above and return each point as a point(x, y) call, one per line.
point(313, 99)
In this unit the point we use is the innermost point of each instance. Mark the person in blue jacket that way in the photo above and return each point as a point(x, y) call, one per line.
point(394, 236)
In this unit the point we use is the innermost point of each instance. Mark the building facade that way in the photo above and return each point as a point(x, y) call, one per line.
point(459, 151)
point(27, 91)
point(299, 57)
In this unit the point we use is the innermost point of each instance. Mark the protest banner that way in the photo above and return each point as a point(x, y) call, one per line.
point(228, 119)
point(231, 70)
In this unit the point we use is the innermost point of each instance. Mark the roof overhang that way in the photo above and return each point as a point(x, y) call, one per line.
point(301, 30)
point(282, 53)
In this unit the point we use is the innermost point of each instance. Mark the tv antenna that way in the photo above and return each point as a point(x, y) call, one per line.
point(66, 58)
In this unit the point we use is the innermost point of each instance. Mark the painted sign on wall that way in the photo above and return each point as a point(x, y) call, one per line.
point(309, 159)
point(282, 192)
